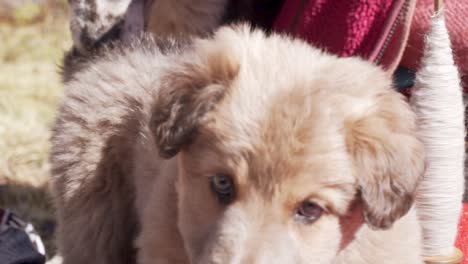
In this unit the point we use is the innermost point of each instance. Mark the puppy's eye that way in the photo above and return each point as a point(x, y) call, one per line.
point(308, 212)
point(223, 187)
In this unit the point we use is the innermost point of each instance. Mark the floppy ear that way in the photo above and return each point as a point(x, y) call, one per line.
point(188, 91)
point(388, 159)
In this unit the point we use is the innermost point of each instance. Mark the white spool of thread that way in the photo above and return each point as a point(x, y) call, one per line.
point(438, 102)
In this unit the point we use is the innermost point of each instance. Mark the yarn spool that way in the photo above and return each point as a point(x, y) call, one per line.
point(438, 103)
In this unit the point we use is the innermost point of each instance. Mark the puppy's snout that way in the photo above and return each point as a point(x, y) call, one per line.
point(247, 237)
point(272, 245)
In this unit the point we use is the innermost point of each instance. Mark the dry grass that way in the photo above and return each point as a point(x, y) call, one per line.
point(30, 52)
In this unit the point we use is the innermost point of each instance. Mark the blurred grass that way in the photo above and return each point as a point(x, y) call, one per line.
point(33, 39)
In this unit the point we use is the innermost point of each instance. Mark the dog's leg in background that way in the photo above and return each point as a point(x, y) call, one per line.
point(95, 21)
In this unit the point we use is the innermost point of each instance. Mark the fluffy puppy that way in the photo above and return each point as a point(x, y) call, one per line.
point(243, 148)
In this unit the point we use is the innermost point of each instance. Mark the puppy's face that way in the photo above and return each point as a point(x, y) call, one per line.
point(273, 196)
point(275, 142)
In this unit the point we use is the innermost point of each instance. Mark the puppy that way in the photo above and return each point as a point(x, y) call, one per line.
point(240, 148)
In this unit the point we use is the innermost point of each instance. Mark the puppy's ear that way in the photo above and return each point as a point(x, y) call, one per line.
point(388, 159)
point(189, 90)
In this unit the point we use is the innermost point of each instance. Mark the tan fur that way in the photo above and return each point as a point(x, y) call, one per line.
point(288, 122)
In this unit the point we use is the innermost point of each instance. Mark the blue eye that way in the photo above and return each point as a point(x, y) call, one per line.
point(309, 212)
point(223, 188)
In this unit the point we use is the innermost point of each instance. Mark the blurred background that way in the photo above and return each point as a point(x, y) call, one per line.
point(33, 38)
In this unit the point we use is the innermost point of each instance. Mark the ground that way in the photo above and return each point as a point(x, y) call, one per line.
point(33, 38)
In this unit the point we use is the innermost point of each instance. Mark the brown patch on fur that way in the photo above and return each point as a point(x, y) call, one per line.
point(187, 94)
point(388, 159)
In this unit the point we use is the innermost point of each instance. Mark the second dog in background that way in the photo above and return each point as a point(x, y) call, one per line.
point(97, 22)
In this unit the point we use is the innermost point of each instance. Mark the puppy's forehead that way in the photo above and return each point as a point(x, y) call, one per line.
point(291, 81)
point(291, 141)
point(284, 114)
point(288, 139)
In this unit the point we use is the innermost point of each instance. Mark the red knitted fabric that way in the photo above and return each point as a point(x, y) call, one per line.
point(342, 27)
point(456, 18)
point(462, 240)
